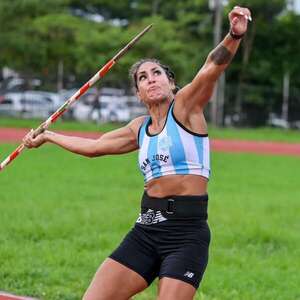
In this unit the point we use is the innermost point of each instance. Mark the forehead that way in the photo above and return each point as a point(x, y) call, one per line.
point(148, 66)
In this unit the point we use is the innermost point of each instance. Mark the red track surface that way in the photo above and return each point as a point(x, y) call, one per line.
point(10, 135)
point(256, 147)
point(4, 296)
point(13, 135)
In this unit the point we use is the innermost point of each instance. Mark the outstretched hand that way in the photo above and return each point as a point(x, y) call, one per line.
point(239, 18)
point(30, 141)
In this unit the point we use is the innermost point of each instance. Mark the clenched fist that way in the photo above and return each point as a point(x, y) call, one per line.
point(238, 19)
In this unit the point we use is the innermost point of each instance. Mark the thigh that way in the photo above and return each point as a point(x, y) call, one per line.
point(114, 281)
point(137, 252)
point(187, 264)
point(170, 289)
point(187, 259)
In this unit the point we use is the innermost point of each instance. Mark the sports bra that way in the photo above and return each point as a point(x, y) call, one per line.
point(175, 150)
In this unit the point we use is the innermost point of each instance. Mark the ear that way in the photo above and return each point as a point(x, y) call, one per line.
point(173, 85)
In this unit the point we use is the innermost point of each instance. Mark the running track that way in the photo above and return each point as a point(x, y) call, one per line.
point(5, 296)
point(15, 135)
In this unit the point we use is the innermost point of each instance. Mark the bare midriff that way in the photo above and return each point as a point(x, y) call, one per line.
point(180, 185)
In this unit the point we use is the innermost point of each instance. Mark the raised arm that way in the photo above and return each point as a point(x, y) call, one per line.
point(197, 93)
point(118, 141)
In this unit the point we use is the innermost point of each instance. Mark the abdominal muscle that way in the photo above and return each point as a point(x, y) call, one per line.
point(179, 185)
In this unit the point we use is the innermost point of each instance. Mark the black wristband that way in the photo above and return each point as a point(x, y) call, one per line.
point(235, 36)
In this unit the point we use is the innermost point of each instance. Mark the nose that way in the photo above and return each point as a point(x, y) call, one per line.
point(151, 78)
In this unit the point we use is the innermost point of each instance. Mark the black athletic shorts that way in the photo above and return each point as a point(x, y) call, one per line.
point(171, 239)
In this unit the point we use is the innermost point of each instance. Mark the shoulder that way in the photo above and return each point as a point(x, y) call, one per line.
point(192, 120)
point(136, 124)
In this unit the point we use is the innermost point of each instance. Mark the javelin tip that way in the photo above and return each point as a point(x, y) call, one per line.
point(149, 27)
point(131, 43)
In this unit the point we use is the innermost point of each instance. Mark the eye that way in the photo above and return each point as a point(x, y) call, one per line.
point(142, 77)
point(157, 72)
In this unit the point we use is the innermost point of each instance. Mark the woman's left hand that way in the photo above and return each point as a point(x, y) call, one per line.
point(239, 18)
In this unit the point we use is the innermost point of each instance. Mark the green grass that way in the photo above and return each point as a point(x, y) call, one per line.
point(260, 134)
point(62, 214)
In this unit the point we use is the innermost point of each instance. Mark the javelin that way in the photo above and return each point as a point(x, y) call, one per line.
point(100, 74)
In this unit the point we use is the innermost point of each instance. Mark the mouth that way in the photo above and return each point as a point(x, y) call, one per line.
point(153, 88)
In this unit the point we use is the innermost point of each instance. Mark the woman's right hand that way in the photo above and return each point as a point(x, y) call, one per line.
point(34, 142)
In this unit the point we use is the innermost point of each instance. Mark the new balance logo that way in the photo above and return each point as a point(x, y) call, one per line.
point(151, 217)
point(189, 274)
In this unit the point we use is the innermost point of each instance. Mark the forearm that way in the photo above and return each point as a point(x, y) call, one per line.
point(220, 57)
point(118, 141)
point(199, 91)
point(78, 145)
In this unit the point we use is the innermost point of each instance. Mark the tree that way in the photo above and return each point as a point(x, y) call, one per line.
point(287, 63)
point(264, 17)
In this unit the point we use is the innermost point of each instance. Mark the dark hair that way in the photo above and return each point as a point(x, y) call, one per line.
point(135, 67)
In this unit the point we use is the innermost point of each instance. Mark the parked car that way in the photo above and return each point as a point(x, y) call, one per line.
point(16, 84)
point(106, 94)
point(275, 121)
point(104, 105)
point(108, 112)
point(30, 104)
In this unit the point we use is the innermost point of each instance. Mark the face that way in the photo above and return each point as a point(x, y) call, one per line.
point(153, 83)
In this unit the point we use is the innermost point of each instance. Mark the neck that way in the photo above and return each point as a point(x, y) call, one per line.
point(158, 112)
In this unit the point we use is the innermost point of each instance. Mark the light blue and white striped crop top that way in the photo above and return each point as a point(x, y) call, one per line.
point(175, 150)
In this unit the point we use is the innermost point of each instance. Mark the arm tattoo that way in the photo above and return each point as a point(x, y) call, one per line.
point(221, 56)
